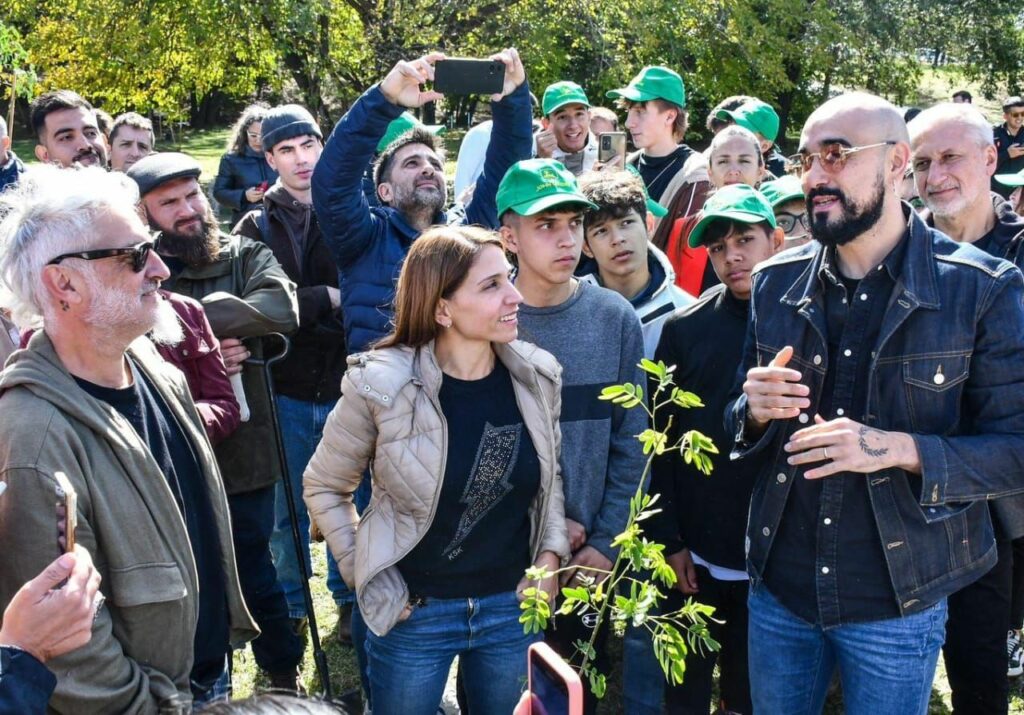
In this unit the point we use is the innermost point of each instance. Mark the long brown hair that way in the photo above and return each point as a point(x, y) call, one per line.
point(237, 140)
point(437, 265)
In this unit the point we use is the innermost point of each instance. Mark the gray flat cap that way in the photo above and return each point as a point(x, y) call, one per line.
point(156, 169)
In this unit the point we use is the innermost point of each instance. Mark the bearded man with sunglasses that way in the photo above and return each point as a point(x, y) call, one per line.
point(882, 390)
point(90, 397)
point(1009, 143)
point(246, 295)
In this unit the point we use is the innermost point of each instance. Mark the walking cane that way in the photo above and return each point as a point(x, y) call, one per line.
point(319, 656)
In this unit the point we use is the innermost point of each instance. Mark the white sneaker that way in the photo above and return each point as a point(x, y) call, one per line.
point(1015, 654)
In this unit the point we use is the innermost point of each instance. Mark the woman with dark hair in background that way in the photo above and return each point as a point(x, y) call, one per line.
point(244, 175)
point(460, 422)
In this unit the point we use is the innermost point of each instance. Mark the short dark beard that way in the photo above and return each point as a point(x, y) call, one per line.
point(193, 251)
point(854, 221)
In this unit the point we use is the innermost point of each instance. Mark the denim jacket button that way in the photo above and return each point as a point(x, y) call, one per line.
point(766, 531)
point(781, 478)
point(803, 418)
point(817, 359)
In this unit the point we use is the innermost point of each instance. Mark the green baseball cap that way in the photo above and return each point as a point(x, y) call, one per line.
point(653, 207)
point(737, 202)
point(534, 185)
point(755, 115)
point(653, 83)
point(783, 189)
point(1011, 179)
point(403, 123)
point(559, 94)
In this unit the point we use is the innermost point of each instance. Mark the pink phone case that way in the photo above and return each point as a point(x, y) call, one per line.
point(560, 668)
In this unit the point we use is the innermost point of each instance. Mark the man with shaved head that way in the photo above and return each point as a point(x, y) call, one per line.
point(954, 158)
point(882, 390)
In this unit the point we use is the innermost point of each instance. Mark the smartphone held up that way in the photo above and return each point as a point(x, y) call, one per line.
point(468, 76)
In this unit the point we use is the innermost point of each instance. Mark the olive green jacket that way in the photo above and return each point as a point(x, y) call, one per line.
point(246, 294)
point(140, 654)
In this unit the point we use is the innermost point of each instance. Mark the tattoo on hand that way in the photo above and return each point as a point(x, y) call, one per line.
point(868, 449)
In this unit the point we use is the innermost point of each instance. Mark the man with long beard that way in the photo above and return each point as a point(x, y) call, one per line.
point(90, 397)
point(882, 388)
point(246, 294)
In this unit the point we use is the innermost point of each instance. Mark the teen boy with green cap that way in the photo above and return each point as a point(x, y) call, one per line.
point(676, 176)
point(786, 195)
point(566, 136)
point(595, 335)
point(760, 118)
point(703, 521)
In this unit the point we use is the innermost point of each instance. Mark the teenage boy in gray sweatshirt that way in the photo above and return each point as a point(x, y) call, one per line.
point(596, 336)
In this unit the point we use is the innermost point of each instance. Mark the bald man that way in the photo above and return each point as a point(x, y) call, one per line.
point(954, 158)
point(882, 392)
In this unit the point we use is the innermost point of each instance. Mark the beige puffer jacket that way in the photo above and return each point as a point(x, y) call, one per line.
point(389, 418)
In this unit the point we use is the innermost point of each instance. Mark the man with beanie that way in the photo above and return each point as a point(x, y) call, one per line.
point(246, 294)
point(760, 118)
point(566, 134)
point(308, 381)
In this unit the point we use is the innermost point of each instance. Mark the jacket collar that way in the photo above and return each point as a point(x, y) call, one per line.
point(917, 272)
point(523, 361)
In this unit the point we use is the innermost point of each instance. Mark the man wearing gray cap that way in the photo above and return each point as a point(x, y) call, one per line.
point(308, 381)
point(246, 295)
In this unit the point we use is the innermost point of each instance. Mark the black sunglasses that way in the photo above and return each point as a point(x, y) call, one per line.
point(787, 221)
point(139, 254)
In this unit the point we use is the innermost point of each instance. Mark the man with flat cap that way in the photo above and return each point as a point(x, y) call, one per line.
point(246, 294)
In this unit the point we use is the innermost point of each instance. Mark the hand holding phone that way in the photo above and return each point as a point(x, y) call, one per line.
point(403, 84)
point(67, 513)
point(611, 146)
point(554, 687)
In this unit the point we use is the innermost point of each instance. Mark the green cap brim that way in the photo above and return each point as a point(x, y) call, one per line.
point(630, 94)
point(656, 209)
point(570, 100)
point(1010, 179)
point(792, 196)
point(697, 234)
point(544, 203)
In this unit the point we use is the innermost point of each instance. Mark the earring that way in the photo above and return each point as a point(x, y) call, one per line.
point(64, 306)
point(448, 324)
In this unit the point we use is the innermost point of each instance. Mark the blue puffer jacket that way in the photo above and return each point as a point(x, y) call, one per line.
point(236, 175)
point(370, 244)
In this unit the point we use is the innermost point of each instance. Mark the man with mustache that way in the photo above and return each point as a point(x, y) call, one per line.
point(954, 158)
point(67, 130)
point(369, 244)
point(882, 391)
point(246, 294)
point(90, 397)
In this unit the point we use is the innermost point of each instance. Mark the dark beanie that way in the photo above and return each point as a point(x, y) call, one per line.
point(287, 122)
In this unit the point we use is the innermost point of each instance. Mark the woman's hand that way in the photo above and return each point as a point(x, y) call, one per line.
point(549, 585)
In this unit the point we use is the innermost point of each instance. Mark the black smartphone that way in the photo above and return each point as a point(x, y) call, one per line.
point(610, 145)
point(462, 76)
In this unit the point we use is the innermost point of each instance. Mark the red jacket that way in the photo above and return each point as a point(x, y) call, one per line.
point(198, 357)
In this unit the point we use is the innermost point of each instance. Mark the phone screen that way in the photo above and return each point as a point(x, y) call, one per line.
point(610, 145)
point(548, 690)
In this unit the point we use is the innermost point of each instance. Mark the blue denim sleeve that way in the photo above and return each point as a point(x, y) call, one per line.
point(988, 462)
point(25, 684)
point(348, 225)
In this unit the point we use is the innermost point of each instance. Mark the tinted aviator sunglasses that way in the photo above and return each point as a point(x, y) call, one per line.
point(139, 254)
point(833, 157)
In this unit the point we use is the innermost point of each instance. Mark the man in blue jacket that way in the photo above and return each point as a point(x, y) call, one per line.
point(369, 244)
point(883, 393)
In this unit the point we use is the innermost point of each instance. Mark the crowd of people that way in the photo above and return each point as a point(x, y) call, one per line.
point(849, 316)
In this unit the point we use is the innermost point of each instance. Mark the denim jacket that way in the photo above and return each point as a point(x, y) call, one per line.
point(948, 369)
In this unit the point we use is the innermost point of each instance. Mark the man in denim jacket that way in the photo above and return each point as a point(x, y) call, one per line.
point(883, 391)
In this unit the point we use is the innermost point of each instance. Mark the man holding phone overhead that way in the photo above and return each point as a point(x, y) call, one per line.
point(369, 244)
point(90, 397)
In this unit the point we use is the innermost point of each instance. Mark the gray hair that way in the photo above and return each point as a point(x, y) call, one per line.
point(735, 130)
point(51, 211)
point(966, 115)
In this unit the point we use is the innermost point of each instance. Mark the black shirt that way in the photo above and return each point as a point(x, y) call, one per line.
point(658, 171)
point(156, 425)
point(827, 564)
point(479, 541)
point(707, 514)
point(1004, 164)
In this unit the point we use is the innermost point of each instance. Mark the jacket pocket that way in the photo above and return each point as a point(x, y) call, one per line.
point(146, 583)
point(934, 385)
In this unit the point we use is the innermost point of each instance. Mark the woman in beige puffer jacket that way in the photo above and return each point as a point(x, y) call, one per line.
point(458, 422)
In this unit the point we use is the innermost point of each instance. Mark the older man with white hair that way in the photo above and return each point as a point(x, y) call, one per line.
point(954, 158)
point(90, 397)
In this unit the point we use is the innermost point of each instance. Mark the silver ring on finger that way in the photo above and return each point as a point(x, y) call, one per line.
point(98, 605)
point(825, 451)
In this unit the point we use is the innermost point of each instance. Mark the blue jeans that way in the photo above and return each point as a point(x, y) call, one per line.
point(302, 427)
point(408, 667)
point(219, 691)
point(886, 667)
